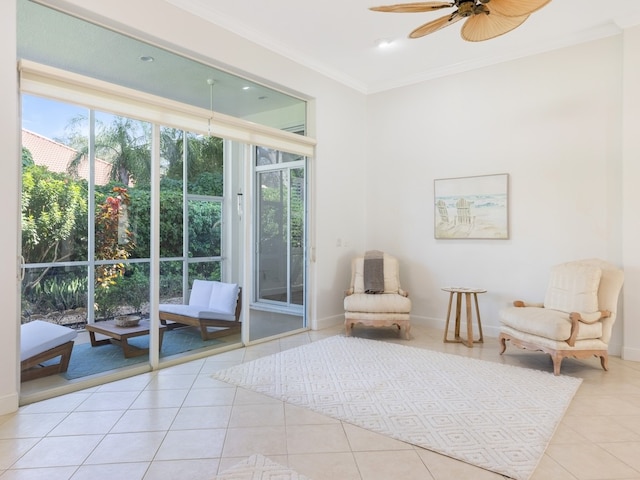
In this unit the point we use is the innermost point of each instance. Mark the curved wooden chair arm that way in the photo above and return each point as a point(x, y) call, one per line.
point(348, 292)
point(576, 319)
point(589, 321)
point(518, 303)
point(404, 293)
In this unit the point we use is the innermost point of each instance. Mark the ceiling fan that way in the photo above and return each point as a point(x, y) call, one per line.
point(485, 18)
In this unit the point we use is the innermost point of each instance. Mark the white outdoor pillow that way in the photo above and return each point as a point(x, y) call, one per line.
point(200, 292)
point(573, 288)
point(224, 297)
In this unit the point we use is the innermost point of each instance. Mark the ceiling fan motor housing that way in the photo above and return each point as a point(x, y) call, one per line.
point(466, 8)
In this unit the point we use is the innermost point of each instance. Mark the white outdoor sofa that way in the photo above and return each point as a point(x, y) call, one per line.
point(211, 304)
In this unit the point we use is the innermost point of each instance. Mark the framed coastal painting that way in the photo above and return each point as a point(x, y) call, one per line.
point(472, 207)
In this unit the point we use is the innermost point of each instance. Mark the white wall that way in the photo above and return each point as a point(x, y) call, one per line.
point(9, 185)
point(552, 122)
point(631, 155)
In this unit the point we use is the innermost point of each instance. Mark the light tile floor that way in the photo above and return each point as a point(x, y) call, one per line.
point(179, 423)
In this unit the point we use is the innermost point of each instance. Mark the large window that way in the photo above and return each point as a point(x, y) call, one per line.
point(86, 213)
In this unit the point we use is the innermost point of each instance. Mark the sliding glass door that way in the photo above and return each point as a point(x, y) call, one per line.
point(280, 241)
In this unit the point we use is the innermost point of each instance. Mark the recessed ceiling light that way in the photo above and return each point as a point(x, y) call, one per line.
point(246, 88)
point(384, 43)
point(146, 58)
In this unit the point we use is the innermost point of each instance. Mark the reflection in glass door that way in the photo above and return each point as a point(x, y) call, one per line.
point(280, 244)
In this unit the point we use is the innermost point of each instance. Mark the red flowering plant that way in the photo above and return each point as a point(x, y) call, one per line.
point(114, 241)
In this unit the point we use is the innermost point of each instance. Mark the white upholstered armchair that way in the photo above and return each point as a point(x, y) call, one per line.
point(389, 306)
point(576, 317)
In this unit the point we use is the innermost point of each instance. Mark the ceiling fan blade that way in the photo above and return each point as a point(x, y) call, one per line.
point(412, 7)
point(435, 25)
point(482, 27)
point(515, 8)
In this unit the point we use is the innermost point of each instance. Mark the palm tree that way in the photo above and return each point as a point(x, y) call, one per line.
point(124, 143)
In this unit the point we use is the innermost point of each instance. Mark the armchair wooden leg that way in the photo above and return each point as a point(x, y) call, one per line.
point(604, 361)
point(557, 361)
point(404, 331)
point(503, 343)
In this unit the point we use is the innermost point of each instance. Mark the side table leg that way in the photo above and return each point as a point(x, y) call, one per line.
point(446, 326)
point(467, 301)
point(475, 297)
point(458, 308)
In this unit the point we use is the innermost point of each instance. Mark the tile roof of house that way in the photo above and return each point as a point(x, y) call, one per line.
point(56, 157)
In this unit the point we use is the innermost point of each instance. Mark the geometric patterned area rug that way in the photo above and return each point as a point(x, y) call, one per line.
point(497, 417)
point(257, 467)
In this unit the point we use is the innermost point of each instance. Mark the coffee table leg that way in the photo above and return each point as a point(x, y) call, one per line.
point(96, 343)
point(131, 350)
point(161, 332)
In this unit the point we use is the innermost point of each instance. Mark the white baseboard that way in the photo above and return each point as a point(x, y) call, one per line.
point(432, 322)
point(321, 323)
point(632, 354)
point(9, 403)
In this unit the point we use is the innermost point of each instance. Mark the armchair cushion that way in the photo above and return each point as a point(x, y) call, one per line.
point(380, 304)
point(547, 323)
point(573, 288)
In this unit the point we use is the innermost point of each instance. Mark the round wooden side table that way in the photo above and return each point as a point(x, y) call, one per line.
point(468, 293)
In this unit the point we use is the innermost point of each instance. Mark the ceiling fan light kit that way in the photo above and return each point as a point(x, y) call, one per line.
point(484, 19)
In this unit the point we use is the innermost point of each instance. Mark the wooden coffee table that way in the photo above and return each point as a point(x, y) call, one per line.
point(120, 336)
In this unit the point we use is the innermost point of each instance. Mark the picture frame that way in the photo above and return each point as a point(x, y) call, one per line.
point(474, 207)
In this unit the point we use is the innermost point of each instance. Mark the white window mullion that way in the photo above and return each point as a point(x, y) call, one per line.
point(154, 267)
point(91, 221)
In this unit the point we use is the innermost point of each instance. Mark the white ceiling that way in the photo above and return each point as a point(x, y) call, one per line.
point(338, 37)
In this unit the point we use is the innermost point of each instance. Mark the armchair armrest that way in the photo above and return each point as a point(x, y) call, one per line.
point(520, 303)
point(586, 318)
point(404, 293)
point(348, 292)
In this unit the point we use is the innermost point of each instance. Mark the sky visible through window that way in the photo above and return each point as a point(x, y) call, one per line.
point(48, 118)
point(51, 118)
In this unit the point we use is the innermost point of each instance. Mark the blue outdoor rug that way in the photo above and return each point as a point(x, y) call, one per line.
point(87, 360)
